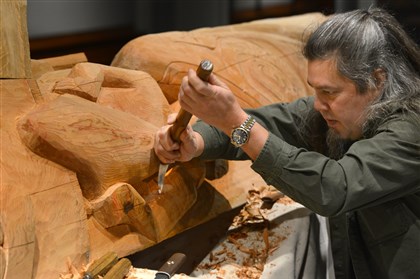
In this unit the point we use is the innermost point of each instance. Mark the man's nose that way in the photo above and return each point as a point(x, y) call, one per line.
point(319, 104)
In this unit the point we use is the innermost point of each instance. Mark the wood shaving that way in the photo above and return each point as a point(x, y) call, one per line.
point(250, 240)
point(286, 200)
point(252, 212)
point(72, 272)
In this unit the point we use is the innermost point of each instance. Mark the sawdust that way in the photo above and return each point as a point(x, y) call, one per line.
point(246, 249)
point(285, 200)
point(72, 271)
point(250, 240)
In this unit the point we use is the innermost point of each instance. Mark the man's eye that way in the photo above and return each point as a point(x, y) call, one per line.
point(323, 92)
point(329, 92)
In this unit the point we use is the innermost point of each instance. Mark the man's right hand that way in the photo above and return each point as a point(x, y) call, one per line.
point(191, 144)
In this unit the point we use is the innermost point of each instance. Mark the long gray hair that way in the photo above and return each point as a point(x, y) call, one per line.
point(363, 41)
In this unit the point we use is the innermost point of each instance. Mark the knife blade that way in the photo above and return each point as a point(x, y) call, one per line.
point(170, 266)
point(183, 118)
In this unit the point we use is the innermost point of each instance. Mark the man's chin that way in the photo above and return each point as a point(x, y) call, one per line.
point(338, 135)
point(337, 145)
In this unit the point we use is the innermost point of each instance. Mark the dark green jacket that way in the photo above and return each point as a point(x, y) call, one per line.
point(371, 195)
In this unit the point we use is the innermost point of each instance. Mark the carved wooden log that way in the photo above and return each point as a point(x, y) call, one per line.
point(78, 169)
point(120, 205)
point(103, 146)
point(56, 129)
point(260, 61)
point(65, 61)
point(155, 215)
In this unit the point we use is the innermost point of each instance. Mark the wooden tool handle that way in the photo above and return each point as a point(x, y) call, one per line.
point(101, 265)
point(203, 72)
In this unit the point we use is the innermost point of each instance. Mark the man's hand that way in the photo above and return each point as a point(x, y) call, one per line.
point(168, 151)
point(212, 101)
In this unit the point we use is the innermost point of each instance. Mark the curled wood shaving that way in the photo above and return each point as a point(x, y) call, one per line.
point(252, 213)
point(266, 241)
point(248, 272)
point(72, 272)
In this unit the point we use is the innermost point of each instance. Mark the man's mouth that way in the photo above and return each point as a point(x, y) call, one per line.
point(331, 122)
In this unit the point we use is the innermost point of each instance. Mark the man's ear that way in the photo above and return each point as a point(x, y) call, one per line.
point(379, 76)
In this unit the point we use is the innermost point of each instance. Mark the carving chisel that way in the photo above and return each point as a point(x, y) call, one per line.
point(203, 72)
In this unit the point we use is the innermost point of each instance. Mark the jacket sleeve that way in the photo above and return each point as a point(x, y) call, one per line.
point(281, 119)
point(373, 170)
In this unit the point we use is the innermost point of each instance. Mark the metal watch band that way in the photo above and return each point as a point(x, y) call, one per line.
point(249, 122)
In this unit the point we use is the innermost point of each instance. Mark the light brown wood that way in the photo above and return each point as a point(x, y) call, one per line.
point(178, 196)
point(78, 168)
point(260, 61)
point(66, 61)
point(121, 205)
point(41, 203)
point(48, 65)
point(55, 130)
point(14, 43)
point(103, 146)
point(85, 80)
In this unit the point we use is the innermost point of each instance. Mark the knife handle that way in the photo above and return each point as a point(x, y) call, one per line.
point(203, 72)
point(171, 265)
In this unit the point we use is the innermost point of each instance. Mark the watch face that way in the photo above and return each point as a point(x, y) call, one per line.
point(239, 136)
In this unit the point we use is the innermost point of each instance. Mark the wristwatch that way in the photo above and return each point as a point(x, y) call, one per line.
point(240, 135)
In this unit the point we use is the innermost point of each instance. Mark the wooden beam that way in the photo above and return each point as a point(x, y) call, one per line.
point(14, 44)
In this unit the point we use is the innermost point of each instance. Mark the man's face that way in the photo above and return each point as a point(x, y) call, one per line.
point(338, 100)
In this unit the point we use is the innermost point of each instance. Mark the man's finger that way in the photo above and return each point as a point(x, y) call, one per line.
point(214, 80)
point(200, 86)
point(171, 118)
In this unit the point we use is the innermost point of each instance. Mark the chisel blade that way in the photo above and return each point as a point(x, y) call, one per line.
point(161, 176)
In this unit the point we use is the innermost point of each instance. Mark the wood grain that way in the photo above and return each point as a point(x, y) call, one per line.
point(79, 135)
point(260, 61)
point(14, 43)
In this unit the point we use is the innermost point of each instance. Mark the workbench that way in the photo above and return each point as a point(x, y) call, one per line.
point(295, 242)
